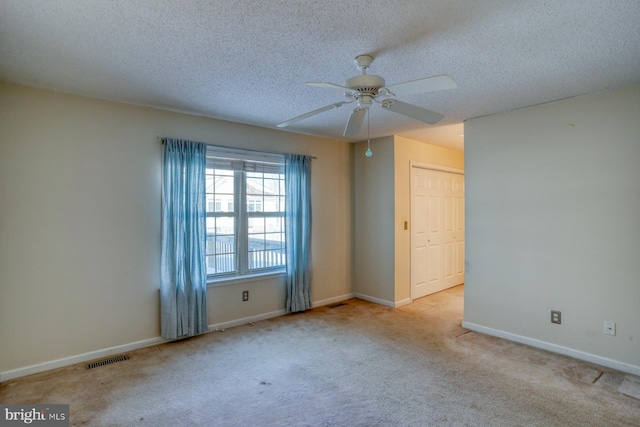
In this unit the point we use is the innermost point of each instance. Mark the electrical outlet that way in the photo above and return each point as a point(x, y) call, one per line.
point(609, 328)
point(245, 295)
point(556, 317)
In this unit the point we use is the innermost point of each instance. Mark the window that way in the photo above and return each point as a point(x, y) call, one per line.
point(245, 212)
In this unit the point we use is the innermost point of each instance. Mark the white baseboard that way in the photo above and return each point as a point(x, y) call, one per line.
point(277, 313)
point(384, 302)
point(106, 352)
point(79, 358)
point(375, 300)
point(554, 348)
point(402, 302)
point(246, 320)
point(332, 300)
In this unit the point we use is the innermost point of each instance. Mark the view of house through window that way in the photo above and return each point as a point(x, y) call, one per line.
point(245, 216)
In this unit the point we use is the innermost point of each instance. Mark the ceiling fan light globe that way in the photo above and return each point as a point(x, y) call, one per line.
point(365, 100)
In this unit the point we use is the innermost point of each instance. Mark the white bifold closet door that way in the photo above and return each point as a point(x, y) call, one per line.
point(437, 230)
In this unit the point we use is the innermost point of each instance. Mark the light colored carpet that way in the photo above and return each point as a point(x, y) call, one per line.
point(357, 364)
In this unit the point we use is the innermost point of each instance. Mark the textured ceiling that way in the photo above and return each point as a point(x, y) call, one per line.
point(247, 61)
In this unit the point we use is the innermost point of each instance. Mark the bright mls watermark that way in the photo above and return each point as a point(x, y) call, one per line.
point(34, 415)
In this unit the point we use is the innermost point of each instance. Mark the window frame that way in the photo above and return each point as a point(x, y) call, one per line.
point(241, 162)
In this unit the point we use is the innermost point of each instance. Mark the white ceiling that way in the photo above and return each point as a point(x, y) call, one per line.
point(247, 61)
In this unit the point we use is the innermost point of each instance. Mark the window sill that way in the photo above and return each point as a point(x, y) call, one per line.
point(214, 283)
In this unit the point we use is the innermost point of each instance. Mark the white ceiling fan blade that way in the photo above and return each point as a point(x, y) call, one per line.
point(339, 88)
point(355, 121)
point(429, 84)
point(312, 113)
point(412, 111)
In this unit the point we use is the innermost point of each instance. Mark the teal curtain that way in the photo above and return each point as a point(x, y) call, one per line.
point(183, 287)
point(297, 169)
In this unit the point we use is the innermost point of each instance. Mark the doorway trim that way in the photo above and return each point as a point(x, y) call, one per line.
point(435, 167)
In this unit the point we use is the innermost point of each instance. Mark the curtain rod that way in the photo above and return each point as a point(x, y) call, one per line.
point(162, 141)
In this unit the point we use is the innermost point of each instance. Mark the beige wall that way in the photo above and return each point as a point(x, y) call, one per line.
point(80, 223)
point(382, 204)
point(374, 217)
point(553, 223)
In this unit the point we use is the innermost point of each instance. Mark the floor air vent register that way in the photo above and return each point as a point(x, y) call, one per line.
point(337, 304)
point(108, 361)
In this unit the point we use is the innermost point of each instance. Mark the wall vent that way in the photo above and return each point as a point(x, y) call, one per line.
point(108, 361)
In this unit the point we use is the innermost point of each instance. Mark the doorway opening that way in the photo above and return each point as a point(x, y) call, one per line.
point(437, 231)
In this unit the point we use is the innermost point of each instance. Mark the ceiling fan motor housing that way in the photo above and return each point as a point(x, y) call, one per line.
point(366, 84)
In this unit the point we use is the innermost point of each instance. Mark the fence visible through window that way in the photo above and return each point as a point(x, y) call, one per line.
point(221, 256)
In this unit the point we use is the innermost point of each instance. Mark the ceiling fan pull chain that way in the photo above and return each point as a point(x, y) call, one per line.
point(368, 153)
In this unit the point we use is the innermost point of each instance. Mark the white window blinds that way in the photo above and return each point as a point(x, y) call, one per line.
point(244, 160)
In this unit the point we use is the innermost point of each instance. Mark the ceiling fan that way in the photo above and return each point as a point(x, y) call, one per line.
point(365, 89)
